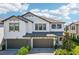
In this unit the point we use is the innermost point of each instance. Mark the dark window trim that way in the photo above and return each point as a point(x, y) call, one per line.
point(14, 25)
point(40, 26)
point(72, 27)
point(53, 25)
point(58, 26)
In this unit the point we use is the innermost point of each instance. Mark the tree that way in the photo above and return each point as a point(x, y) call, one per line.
point(68, 44)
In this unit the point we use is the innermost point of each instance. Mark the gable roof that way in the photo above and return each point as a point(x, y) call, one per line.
point(19, 17)
point(1, 22)
point(24, 18)
point(50, 20)
point(77, 22)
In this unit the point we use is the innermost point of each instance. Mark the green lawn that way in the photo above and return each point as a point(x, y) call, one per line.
point(76, 49)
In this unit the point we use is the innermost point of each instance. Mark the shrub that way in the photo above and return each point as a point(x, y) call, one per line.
point(76, 50)
point(70, 53)
point(28, 47)
point(61, 52)
point(68, 44)
point(22, 51)
point(64, 52)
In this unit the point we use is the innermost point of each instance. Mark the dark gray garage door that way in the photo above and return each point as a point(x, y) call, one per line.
point(42, 43)
point(17, 43)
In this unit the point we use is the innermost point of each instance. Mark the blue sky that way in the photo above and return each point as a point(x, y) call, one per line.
point(60, 11)
point(45, 6)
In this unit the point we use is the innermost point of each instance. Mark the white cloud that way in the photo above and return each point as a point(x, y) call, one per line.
point(12, 7)
point(67, 17)
point(62, 12)
point(54, 11)
point(45, 11)
point(35, 10)
point(75, 12)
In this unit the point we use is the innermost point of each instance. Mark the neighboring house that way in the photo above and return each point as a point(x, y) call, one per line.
point(73, 29)
point(33, 30)
point(65, 28)
point(1, 34)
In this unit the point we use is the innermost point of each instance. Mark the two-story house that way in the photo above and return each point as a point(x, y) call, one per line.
point(73, 29)
point(33, 30)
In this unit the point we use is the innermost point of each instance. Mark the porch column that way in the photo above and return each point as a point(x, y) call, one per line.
point(31, 42)
point(54, 41)
point(0, 47)
point(6, 44)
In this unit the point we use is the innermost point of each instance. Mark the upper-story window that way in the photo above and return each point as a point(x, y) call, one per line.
point(40, 26)
point(59, 26)
point(72, 27)
point(13, 26)
point(56, 26)
point(53, 26)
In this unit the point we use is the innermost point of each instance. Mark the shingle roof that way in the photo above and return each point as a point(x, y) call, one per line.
point(8, 18)
point(44, 18)
point(15, 17)
point(50, 19)
point(42, 34)
point(77, 22)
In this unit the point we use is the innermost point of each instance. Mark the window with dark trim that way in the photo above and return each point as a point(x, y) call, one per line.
point(44, 26)
point(72, 27)
point(36, 27)
point(59, 26)
point(16, 26)
point(40, 26)
point(53, 26)
point(13, 26)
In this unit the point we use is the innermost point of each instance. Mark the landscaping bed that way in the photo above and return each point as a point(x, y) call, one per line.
point(70, 47)
point(24, 50)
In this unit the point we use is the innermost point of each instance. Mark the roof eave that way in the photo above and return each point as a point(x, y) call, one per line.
point(11, 17)
point(57, 22)
point(27, 19)
point(39, 17)
point(34, 15)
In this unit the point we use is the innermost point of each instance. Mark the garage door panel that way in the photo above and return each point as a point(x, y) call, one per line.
point(15, 44)
point(42, 43)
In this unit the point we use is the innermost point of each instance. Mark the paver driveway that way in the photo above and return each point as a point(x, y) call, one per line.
point(41, 51)
point(8, 52)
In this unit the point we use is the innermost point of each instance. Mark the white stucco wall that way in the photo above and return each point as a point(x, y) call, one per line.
point(29, 27)
point(12, 34)
point(37, 20)
point(1, 36)
point(48, 25)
